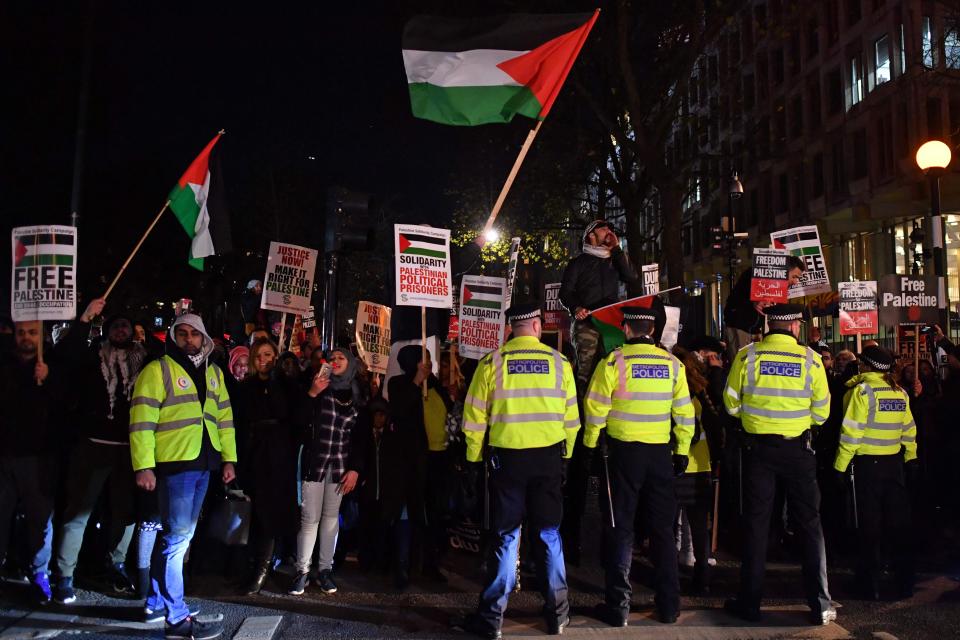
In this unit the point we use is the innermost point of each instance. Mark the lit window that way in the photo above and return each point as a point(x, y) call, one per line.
point(882, 59)
point(927, 37)
point(856, 81)
point(951, 44)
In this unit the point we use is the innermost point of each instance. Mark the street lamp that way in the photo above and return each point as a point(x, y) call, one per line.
point(933, 158)
point(727, 239)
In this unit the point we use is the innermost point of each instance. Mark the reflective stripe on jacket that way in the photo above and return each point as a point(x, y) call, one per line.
point(525, 392)
point(166, 417)
point(634, 393)
point(876, 422)
point(776, 386)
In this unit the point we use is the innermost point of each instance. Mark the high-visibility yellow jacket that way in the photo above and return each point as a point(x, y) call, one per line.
point(526, 393)
point(777, 386)
point(876, 421)
point(167, 418)
point(634, 393)
point(700, 450)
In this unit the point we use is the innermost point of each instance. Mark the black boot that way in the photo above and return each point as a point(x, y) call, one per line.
point(143, 583)
point(259, 577)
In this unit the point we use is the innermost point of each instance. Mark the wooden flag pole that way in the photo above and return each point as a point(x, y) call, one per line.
point(283, 331)
point(859, 343)
point(136, 248)
point(511, 177)
point(423, 344)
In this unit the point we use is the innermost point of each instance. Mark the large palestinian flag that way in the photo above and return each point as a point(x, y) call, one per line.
point(609, 321)
point(485, 70)
point(197, 201)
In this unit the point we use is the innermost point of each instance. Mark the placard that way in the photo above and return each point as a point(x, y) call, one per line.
point(858, 308)
point(373, 335)
point(288, 282)
point(481, 315)
point(804, 242)
point(910, 299)
point(651, 279)
point(453, 327)
point(555, 316)
point(423, 266)
point(671, 328)
point(44, 274)
point(512, 271)
point(309, 319)
point(768, 281)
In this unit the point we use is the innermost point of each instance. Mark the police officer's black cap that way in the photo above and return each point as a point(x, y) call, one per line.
point(785, 313)
point(523, 311)
point(877, 358)
point(706, 343)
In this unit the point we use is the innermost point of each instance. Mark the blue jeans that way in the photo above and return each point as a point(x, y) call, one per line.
point(180, 497)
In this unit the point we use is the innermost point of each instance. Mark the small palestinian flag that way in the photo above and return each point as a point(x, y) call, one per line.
point(197, 201)
point(609, 321)
point(43, 249)
point(419, 245)
point(482, 296)
point(486, 70)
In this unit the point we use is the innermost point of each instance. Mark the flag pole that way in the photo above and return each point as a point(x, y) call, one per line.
point(283, 331)
point(135, 249)
point(511, 177)
point(423, 344)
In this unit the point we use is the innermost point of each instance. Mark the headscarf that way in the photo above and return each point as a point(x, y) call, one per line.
point(236, 354)
point(347, 378)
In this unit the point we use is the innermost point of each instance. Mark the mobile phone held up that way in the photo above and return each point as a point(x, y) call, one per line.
point(325, 371)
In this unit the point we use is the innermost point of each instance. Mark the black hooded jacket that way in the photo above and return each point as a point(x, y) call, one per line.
point(592, 282)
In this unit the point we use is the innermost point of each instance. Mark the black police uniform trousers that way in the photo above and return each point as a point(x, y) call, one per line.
point(641, 474)
point(526, 488)
point(883, 506)
point(769, 459)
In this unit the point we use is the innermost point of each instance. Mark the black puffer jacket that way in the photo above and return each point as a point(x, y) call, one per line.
point(591, 282)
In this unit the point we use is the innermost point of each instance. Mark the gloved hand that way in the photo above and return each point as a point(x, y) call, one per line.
point(473, 471)
point(912, 472)
point(680, 464)
point(841, 480)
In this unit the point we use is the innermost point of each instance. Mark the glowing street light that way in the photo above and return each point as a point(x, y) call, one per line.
point(491, 235)
point(933, 158)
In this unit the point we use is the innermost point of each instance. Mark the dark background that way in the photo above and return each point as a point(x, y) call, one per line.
point(311, 96)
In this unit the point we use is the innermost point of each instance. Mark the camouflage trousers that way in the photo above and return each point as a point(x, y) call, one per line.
point(586, 340)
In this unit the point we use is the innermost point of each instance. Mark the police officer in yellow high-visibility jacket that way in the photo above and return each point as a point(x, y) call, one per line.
point(879, 437)
point(525, 393)
point(181, 429)
point(778, 389)
point(635, 393)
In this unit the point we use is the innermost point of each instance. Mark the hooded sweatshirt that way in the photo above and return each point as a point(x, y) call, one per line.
point(196, 367)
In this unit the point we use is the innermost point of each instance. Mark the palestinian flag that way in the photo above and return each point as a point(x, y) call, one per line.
point(484, 297)
point(43, 249)
point(418, 245)
point(197, 201)
point(608, 321)
point(486, 70)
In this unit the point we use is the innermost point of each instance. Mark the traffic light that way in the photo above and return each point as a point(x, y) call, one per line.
point(350, 221)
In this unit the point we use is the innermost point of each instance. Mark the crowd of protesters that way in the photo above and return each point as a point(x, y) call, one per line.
point(317, 463)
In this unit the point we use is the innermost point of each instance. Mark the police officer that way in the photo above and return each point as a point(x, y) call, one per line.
point(778, 388)
point(525, 392)
point(877, 427)
point(634, 393)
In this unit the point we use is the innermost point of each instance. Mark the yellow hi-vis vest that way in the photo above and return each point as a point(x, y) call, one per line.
point(876, 422)
point(526, 392)
point(777, 386)
point(635, 392)
point(700, 450)
point(166, 417)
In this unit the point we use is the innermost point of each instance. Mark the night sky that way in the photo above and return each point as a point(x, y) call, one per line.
point(287, 84)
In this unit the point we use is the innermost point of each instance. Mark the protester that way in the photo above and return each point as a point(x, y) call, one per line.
point(35, 395)
point(779, 389)
point(877, 426)
point(742, 317)
point(263, 410)
point(239, 362)
point(106, 373)
point(197, 438)
point(332, 422)
point(648, 422)
point(289, 366)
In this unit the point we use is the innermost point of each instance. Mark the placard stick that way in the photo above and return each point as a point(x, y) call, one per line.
point(423, 344)
point(916, 350)
point(135, 249)
point(859, 343)
point(453, 357)
point(559, 339)
point(283, 331)
point(40, 352)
